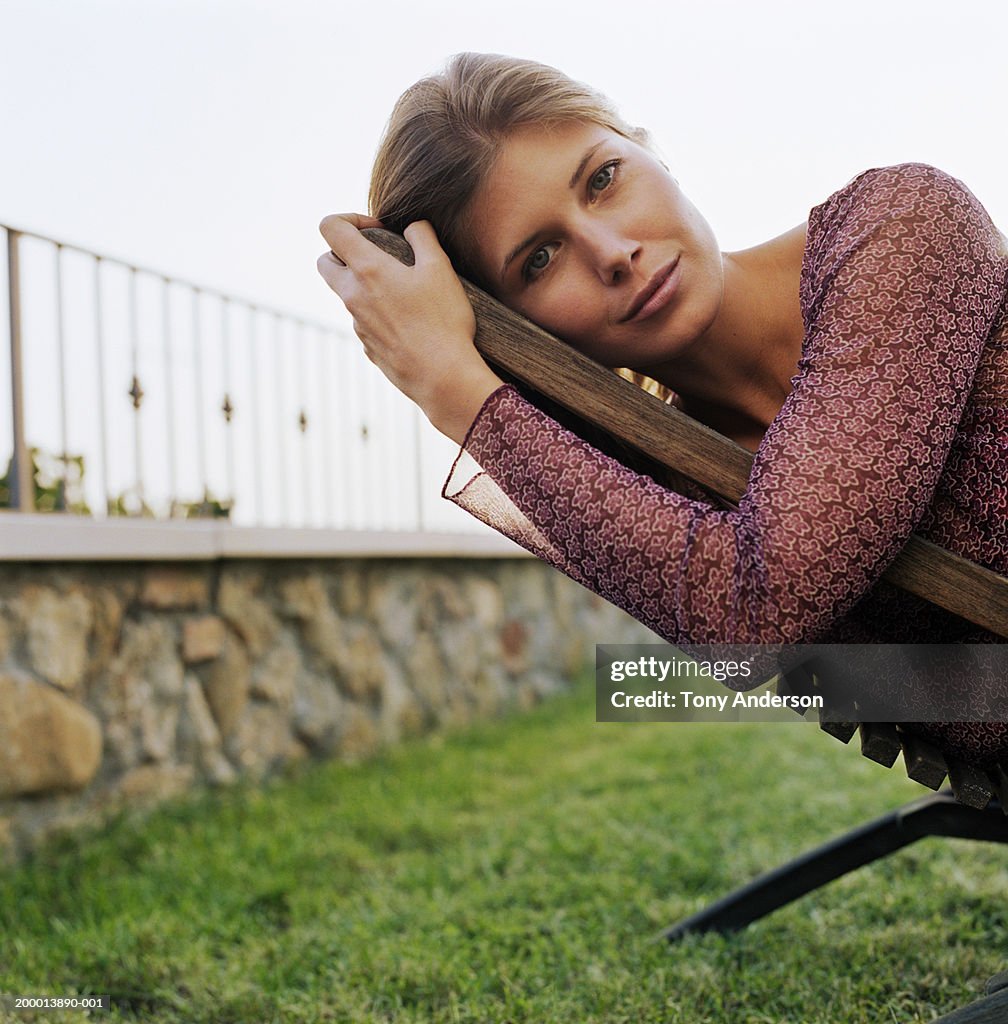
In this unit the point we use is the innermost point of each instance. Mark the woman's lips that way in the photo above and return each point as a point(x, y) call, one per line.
point(656, 294)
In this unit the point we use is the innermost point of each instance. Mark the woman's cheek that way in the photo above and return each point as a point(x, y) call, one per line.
point(567, 312)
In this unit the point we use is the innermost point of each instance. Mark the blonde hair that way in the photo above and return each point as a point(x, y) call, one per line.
point(446, 132)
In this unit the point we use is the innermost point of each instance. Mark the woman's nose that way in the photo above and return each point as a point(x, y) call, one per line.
point(613, 254)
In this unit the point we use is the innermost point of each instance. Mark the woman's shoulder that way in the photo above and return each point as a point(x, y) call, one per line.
point(887, 193)
point(908, 192)
point(910, 174)
point(916, 207)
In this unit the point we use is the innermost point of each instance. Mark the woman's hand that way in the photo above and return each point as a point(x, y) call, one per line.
point(416, 323)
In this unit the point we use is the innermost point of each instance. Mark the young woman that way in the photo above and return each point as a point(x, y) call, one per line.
point(863, 356)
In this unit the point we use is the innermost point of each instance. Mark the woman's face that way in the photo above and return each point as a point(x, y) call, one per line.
point(585, 233)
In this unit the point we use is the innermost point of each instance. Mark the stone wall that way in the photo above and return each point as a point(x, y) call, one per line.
point(126, 683)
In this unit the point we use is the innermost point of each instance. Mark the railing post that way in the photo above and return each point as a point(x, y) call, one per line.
point(347, 416)
point(22, 489)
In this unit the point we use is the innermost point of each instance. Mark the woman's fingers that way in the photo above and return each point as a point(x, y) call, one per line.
point(357, 220)
point(424, 242)
point(329, 266)
point(347, 246)
point(343, 233)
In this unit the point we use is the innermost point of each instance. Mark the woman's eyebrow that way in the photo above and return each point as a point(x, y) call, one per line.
point(575, 178)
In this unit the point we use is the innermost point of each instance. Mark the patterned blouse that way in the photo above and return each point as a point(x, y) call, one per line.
point(897, 423)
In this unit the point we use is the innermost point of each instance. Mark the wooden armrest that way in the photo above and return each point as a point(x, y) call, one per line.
point(669, 436)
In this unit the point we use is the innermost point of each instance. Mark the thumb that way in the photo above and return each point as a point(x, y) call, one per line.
point(424, 241)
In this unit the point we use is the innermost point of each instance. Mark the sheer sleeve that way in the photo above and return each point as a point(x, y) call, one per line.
point(903, 277)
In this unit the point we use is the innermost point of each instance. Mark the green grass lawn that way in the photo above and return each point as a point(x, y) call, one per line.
point(518, 871)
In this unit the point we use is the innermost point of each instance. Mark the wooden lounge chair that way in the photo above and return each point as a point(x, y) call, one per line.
point(587, 393)
point(583, 394)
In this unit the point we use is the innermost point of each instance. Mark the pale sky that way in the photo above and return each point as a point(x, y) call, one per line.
point(205, 139)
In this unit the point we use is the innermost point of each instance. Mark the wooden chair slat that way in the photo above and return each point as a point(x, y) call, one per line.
point(969, 785)
point(924, 761)
point(796, 682)
point(835, 727)
point(998, 776)
point(880, 742)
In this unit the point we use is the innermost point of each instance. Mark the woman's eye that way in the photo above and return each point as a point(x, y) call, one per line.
point(539, 260)
point(603, 177)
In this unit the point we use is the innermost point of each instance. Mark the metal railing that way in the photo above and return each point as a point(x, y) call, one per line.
point(133, 392)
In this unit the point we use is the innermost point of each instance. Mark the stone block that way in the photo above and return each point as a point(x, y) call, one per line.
point(490, 690)
point(526, 591)
point(318, 710)
point(226, 685)
point(401, 712)
point(202, 638)
point(325, 636)
point(149, 649)
point(273, 678)
point(262, 741)
point(441, 599)
point(393, 608)
point(138, 696)
point(461, 645)
point(169, 588)
point(363, 671)
point(48, 742)
point(219, 771)
point(158, 727)
point(56, 627)
point(359, 736)
point(484, 599)
point(350, 590)
point(303, 597)
point(151, 783)
point(426, 674)
point(199, 740)
point(241, 602)
point(514, 646)
point(198, 735)
point(106, 627)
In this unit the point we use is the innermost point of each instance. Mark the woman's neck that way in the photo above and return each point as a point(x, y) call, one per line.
point(737, 374)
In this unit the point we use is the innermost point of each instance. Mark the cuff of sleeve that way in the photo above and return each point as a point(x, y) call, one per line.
point(468, 452)
point(471, 441)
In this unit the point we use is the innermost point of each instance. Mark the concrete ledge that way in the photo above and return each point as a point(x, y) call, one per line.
point(57, 537)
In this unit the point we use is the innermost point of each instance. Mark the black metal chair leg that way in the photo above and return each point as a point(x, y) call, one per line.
point(992, 1009)
point(935, 815)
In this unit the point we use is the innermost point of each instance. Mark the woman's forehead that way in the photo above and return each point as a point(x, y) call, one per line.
point(555, 141)
point(536, 166)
